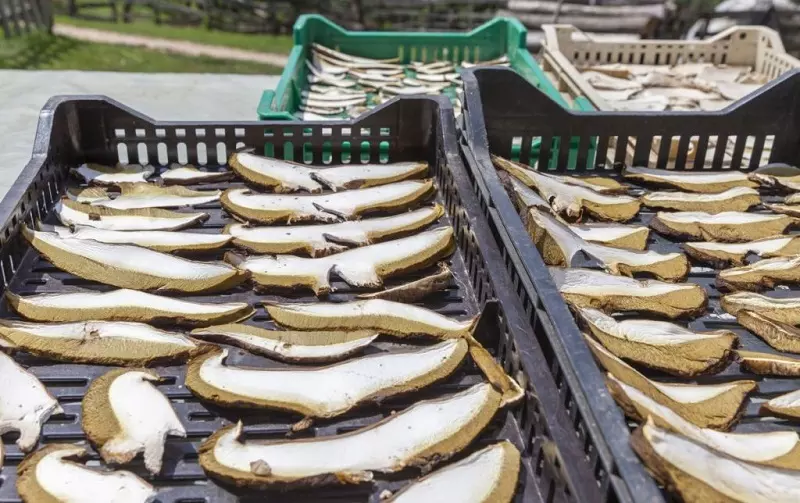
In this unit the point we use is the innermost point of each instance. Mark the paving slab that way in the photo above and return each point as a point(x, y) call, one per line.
point(165, 96)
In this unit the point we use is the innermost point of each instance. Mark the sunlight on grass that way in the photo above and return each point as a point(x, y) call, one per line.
point(280, 44)
point(40, 51)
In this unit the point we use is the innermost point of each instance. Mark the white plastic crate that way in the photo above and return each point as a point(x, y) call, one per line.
point(566, 48)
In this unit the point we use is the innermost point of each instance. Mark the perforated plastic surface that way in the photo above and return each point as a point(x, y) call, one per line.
point(96, 129)
point(507, 123)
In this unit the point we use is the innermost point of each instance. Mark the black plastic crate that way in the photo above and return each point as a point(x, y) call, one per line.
point(73, 130)
point(503, 115)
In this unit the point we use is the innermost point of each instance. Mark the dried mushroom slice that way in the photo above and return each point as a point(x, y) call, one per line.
point(716, 406)
point(569, 200)
point(322, 240)
point(661, 345)
point(697, 472)
point(775, 448)
point(125, 305)
point(734, 199)
point(162, 241)
point(766, 273)
point(144, 219)
point(487, 475)
point(429, 431)
point(128, 266)
point(98, 174)
point(728, 226)
point(323, 392)
point(286, 176)
point(724, 254)
point(779, 335)
point(698, 181)
point(609, 293)
point(361, 267)
point(290, 346)
point(784, 309)
point(145, 195)
point(325, 208)
point(101, 342)
point(124, 414)
point(25, 404)
point(50, 475)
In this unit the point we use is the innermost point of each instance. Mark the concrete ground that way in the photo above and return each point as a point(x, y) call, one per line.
point(200, 97)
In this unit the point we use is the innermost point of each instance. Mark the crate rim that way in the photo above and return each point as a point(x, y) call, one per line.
point(591, 394)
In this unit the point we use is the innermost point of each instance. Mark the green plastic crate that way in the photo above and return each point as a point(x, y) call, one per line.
point(491, 40)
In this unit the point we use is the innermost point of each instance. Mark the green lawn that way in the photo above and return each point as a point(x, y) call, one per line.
point(281, 44)
point(48, 52)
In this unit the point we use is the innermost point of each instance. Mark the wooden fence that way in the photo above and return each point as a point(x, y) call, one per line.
point(18, 17)
point(278, 16)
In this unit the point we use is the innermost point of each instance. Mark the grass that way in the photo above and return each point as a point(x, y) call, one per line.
point(40, 51)
point(281, 44)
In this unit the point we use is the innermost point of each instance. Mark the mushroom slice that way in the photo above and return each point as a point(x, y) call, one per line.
point(785, 209)
point(342, 56)
point(360, 267)
point(323, 392)
point(487, 475)
point(190, 175)
point(632, 237)
point(430, 430)
point(768, 363)
point(785, 310)
point(144, 195)
point(125, 305)
point(397, 319)
point(609, 293)
point(661, 345)
point(501, 61)
point(733, 199)
point(724, 254)
point(774, 180)
point(88, 194)
point(766, 273)
point(716, 406)
point(163, 241)
point(127, 266)
point(25, 404)
point(787, 405)
point(49, 475)
point(698, 472)
point(524, 197)
point(285, 176)
point(417, 290)
point(697, 181)
point(347, 205)
point(144, 219)
point(322, 240)
point(570, 200)
point(779, 335)
point(776, 448)
point(97, 174)
point(124, 414)
point(295, 347)
point(392, 318)
point(728, 226)
point(100, 342)
point(559, 245)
